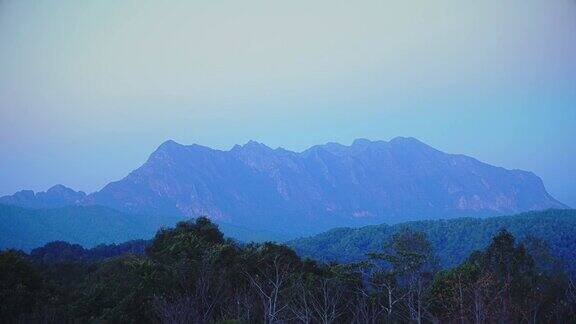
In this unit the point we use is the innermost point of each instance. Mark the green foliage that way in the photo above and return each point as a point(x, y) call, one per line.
point(21, 287)
point(500, 284)
point(192, 274)
point(407, 251)
point(120, 290)
point(452, 240)
point(64, 252)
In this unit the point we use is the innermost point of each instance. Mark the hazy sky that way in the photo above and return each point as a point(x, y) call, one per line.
point(89, 88)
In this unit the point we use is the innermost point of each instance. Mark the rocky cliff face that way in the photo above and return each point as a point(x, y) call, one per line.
point(327, 185)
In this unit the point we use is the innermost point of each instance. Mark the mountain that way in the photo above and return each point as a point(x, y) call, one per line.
point(86, 225)
point(89, 226)
point(296, 193)
point(452, 239)
point(369, 182)
point(57, 196)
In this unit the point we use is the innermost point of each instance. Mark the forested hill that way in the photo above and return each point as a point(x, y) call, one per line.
point(25, 229)
point(89, 226)
point(192, 274)
point(453, 239)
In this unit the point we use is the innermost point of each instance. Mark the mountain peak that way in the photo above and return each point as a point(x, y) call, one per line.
point(167, 148)
point(60, 188)
point(325, 185)
point(412, 144)
point(402, 139)
point(251, 144)
point(168, 144)
point(361, 142)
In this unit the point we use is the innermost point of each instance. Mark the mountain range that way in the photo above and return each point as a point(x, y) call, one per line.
point(298, 193)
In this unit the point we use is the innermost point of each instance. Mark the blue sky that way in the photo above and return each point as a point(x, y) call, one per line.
point(89, 89)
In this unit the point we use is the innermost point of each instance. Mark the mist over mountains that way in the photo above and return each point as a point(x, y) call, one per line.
point(253, 185)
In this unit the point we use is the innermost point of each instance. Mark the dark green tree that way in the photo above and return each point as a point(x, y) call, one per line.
point(21, 286)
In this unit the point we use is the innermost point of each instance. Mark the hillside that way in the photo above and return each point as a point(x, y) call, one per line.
point(452, 239)
point(192, 274)
point(90, 226)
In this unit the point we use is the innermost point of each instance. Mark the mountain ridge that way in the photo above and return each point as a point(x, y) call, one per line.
point(328, 185)
point(56, 196)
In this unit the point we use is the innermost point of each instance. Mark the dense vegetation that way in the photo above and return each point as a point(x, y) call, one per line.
point(452, 239)
point(62, 252)
point(192, 274)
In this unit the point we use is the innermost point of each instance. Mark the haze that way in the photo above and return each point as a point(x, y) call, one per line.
point(89, 89)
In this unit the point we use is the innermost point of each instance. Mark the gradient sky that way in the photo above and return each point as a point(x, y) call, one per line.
point(89, 88)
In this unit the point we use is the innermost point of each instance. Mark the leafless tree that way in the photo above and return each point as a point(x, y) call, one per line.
point(208, 290)
point(327, 299)
point(270, 282)
point(391, 294)
point(301, 305)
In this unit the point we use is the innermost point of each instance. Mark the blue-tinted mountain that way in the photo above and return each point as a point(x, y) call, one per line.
point(57, 196)
point(368, 182)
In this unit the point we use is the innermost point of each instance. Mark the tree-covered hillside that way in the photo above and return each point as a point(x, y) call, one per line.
point(452, 239)
point(193, 274)
point(89, 226)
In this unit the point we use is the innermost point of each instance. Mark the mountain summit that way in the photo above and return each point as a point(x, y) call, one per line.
point(253, 185)
point(327, 185)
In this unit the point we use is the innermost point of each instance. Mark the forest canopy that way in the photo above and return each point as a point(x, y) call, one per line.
point(192, 273)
